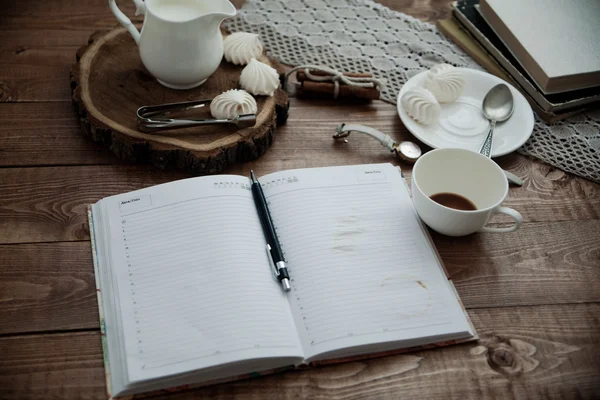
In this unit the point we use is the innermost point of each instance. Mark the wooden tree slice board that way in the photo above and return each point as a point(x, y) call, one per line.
point(110, 83)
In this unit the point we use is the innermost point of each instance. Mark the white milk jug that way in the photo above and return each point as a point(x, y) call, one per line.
point(180, 42)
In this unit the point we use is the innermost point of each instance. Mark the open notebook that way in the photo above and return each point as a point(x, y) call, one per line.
point(187, 295)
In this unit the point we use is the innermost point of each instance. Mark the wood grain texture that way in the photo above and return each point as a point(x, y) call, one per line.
point(550, 352)
point(64, 15)
point(19, 41)
point(35, 74)
point(45, 134)
point(72, 15)
point(55, 366)
point(47, 287)
point(50, 286)
point(542, 263)
point(49, 204)
point(425, 10)
point(42, 205)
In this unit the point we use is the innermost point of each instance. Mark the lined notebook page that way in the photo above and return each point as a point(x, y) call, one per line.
point(193, 278)
point(361, 267)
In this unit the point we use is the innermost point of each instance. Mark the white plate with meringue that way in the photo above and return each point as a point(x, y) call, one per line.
point(458, 122)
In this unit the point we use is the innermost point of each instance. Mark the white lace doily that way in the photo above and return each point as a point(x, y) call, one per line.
point(363, 36)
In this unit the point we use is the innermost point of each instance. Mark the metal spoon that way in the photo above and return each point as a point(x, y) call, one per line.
point(498, 106)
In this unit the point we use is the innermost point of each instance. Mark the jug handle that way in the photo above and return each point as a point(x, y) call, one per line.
point(140, 8)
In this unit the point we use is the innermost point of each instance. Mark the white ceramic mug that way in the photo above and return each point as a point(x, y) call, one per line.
point(181, 42)
point(468, 174)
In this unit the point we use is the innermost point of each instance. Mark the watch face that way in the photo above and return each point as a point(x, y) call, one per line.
point(409, 151)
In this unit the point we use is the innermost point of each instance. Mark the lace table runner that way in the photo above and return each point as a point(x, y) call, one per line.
point(363, 36)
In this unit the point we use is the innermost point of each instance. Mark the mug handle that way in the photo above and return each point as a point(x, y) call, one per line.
point(511, 213)
point(140, 8)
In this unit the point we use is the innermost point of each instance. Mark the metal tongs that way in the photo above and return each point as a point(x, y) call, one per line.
point(155, 118)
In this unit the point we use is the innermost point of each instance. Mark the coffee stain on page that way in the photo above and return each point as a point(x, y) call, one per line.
point(421, 301)
point(343, 249)
point(348, 219)
point(347, 229)
point(390, 280)
point(350, 233)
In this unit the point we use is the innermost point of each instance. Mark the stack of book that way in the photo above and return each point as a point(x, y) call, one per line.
point(548, 49)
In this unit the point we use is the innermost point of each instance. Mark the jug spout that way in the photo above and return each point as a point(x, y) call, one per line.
point(219, 11)
point(224, 8)
point(184, 11)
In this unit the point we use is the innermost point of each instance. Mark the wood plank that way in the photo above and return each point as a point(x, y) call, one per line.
point(50, 287)
point(548, 352)
point(20, 40)
point(67, 15)
point(42, 205)
point(35, 65)
point(46, 134)
point(28, 141)
point(74, 15)
point(36, 74)
point(47, 287)
point(543, 263)
point(49, 204)
point(426, 11)
point(52, 366)
point(305, 141)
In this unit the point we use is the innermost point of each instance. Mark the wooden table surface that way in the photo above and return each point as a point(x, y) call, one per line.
point(533, 295)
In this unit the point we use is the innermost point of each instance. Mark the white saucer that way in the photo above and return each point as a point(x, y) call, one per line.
point(462, 123)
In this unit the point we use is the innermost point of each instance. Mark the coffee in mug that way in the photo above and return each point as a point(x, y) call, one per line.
point(456, 192)
point(453, 200)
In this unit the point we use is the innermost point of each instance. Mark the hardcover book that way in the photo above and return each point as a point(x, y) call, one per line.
point(467, 14)
point(556, 41)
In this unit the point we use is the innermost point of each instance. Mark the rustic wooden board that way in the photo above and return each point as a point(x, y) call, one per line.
point(525, 352)
point(50, 286)
point(110, 83)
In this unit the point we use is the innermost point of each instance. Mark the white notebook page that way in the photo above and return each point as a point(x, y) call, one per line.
point(361, 267)
point(193, 278)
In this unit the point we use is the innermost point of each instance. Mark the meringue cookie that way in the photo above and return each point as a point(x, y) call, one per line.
point(445, 82)
point(232, 103)
point(240, 47)
point(421, 105)
point(259, 78)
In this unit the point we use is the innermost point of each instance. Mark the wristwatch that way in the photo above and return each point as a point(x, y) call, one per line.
point(407, 151)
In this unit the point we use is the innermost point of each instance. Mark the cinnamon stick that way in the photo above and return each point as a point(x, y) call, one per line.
point(301, 76)
point(326, 89)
